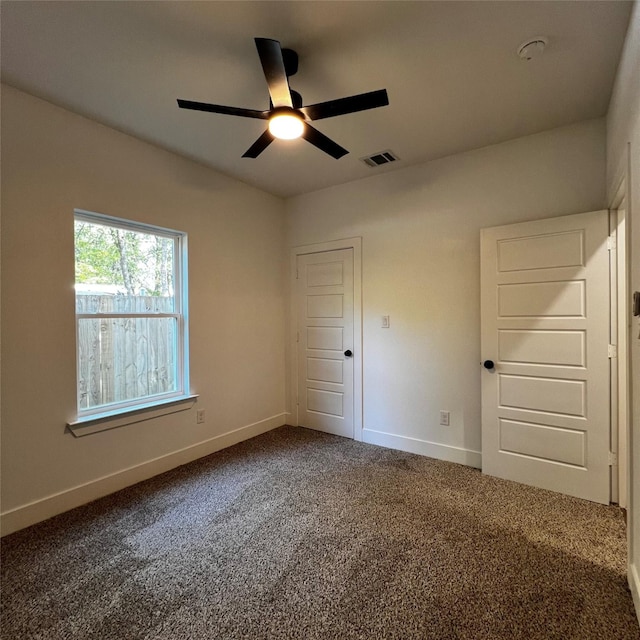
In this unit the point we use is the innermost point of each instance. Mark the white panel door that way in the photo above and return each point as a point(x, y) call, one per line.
point(545, 325)
point(325, 341)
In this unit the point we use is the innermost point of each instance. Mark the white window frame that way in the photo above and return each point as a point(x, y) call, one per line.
point(126, 412)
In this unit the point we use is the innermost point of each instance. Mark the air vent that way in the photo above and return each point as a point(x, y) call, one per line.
point(380, 158)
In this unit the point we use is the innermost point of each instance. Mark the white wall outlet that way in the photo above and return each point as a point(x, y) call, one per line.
point(445, 418)
point(385, 322)
point(200, 416)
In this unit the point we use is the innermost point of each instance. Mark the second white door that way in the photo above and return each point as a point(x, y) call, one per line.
point(545, 335)
point(325, 341)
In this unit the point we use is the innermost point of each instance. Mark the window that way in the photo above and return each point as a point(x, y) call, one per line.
point(131, 325)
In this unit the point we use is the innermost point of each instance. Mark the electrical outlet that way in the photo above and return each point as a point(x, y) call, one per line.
point(445, 418)
point(200, 416)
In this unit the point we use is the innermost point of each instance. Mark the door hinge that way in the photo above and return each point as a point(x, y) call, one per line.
point(297, 336)
point(297, 274)
point(611, 243)
point(613, 351)
point(613, 459)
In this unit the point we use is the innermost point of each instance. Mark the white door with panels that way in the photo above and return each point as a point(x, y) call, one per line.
point(325, 341)
point(545, 351)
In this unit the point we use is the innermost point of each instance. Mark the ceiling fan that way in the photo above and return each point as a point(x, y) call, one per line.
point(287, 118)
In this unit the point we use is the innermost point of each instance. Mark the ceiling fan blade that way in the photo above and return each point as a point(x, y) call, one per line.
point(361, 102)
point(218, 108)
point(323, 143)
point(272, 61)
point(259, 145)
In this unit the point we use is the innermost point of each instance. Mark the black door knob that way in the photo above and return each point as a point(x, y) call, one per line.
point(348, 353)
point(488, 364)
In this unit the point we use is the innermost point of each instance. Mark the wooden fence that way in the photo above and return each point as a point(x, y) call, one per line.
point(122, 359)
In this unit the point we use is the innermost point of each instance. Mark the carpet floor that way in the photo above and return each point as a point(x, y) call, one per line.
point(300, 535)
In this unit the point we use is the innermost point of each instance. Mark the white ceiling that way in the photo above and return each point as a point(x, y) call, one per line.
point(454, 80)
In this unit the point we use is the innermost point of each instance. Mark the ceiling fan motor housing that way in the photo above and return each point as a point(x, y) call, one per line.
point(290, 59)
point(296, 98)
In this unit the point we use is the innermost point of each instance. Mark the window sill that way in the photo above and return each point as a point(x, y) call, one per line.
point(113, 419)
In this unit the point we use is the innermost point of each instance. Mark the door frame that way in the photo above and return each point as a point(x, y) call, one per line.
point(620, 380)
point(322, 247)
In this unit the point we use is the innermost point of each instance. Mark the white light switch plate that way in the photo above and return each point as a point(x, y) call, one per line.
point(385, 322)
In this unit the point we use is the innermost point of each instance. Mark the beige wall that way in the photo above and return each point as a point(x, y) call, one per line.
point(623, 161)
point(420, 229)
point(54, 161)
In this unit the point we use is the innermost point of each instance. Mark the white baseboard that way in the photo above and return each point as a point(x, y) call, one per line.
point(467, 457)
point(290, 419)
point(634, 585)
point(45, 508)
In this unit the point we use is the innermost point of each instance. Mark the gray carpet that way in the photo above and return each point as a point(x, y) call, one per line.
point(301, 535)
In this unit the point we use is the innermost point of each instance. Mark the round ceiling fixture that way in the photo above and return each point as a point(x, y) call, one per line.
point(532, 48)
point(286, 126)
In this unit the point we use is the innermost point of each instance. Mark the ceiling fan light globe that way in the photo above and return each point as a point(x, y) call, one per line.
point(286, 126)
